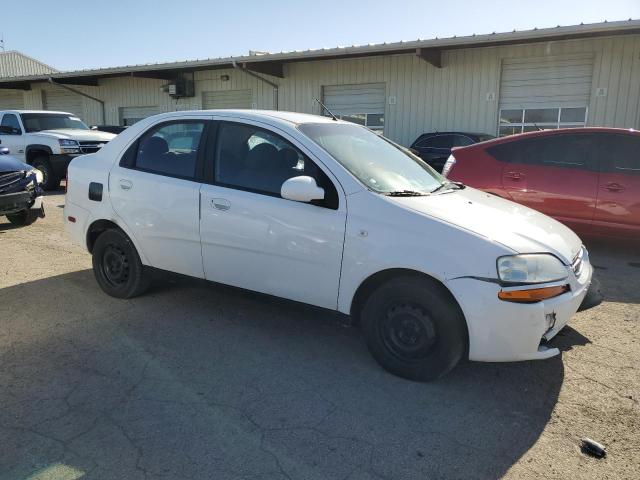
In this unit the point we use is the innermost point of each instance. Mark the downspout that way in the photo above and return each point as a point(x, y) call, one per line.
point(78, 92)
point(255, 75)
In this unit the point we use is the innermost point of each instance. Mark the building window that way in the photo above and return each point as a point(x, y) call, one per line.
point(532, 119)
point(373, 121)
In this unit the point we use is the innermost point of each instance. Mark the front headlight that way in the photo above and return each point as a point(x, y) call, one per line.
point(531, 268)
point(69, 146)
point(38, 174)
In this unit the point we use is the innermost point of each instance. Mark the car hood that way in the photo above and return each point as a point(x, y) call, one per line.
point(515, 226)
point(11, 164)
point(76, 134)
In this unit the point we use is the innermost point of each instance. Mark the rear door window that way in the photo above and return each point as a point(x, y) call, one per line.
point(566, 151)
point(437, 141)
point(620, 153)
point(169, 149)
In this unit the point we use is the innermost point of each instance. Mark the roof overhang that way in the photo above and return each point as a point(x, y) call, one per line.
point(273, 64)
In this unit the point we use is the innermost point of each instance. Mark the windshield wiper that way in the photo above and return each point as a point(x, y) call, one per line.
point(448, 184)
point(405, 193)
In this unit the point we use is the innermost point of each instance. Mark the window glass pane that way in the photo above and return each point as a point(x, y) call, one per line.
point(509, 130)
point(359, 118)
point(537, 128)
point(573, 114)
point(442, 141)
point(11, 121)
point(170, 149)
point(622, 152)
point(375, 120)
point(378, 163)
point(510, 116)
point(258, 160)
point(461, 141)
point(541, 115)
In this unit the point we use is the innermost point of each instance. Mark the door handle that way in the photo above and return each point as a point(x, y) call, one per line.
point(614, 187)
point(220, 204)
point(514, 175)
point(125, 184)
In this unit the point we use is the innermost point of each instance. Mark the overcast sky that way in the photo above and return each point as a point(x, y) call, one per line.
point(76, 34)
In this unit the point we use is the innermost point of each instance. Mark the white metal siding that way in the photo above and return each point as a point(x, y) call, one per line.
point(546, 82)
point(352, 99)
point(227, 99)
point(130, 115)
point(11, 100)
point(463, 95)
point(63, 101)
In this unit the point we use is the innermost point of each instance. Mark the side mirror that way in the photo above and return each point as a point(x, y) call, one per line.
point(301, 189)
point(4, 151)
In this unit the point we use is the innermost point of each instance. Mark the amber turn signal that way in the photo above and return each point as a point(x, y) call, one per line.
point(532, 295)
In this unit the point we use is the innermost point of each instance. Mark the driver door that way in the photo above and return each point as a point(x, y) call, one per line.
point(12, 136)
point(253, 238)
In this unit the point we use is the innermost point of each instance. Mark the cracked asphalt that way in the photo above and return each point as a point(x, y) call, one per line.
point(200, 381)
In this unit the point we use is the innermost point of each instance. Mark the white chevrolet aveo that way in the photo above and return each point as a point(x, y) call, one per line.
point(328, 213)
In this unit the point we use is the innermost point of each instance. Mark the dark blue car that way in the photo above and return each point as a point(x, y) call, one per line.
point(20, 191)
point(434, 148)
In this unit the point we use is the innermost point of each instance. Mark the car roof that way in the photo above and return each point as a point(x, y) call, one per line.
point(548, 133)
point(35, 111)
point(258, 115)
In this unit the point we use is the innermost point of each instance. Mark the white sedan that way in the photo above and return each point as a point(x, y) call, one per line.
point(328, 213)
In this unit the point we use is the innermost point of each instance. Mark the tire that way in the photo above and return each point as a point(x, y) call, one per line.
point(414, 328)
point(24, 218)
point(51, 180)
point(117, 266)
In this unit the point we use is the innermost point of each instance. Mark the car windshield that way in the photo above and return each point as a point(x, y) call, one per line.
point(378, 163)
point(35, 122)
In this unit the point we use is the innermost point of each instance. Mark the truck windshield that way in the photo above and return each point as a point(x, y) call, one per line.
point(35, 122)
point(378, 163)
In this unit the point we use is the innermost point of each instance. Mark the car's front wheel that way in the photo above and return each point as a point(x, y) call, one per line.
point(117, 266)
point(414, 328)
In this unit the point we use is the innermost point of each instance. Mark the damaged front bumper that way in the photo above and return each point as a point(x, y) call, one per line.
point(21, 194)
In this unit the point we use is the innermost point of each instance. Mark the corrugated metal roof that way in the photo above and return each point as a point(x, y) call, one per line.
point(469, 41)
point(16, 64)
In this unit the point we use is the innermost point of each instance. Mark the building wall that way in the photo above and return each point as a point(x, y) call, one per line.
point(463, 95)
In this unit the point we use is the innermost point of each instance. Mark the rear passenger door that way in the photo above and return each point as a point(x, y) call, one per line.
point(618, 205)
point(554, 174)
point(252, 237)
point(155, 191)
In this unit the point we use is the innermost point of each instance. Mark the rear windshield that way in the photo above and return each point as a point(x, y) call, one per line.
point(35, 122)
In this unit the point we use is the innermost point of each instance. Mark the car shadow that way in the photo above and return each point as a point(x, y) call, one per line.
point(199, 380)
point(617, 266)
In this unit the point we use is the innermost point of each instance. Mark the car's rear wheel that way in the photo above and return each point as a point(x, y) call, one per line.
point(117, 266)
point(50, 180)
point(24, 218)
point(414, 328)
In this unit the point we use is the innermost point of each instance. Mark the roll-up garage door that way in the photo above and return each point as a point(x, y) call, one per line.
point(131, 115)
point(226, 99)
point(63, 101)
point(544, 92)
point(362, 103)
point(11, 100)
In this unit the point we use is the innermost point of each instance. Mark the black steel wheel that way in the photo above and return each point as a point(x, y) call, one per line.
point(414, 328)
point(117, 266)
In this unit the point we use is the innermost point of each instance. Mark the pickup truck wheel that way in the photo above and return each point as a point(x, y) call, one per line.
point(50, 180)
point(24, 218)
point(117, 266)
point(414, 329)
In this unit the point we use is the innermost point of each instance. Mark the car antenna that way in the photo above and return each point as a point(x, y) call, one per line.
point(328, 111)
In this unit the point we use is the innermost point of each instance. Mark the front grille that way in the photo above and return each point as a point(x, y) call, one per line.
point(9, 180)
point(576, 264)
point(90, 147)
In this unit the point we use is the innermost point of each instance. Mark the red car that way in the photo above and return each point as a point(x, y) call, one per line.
point(587, 178)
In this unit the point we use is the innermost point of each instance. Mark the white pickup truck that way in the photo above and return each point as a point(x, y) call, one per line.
point(48, 140)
